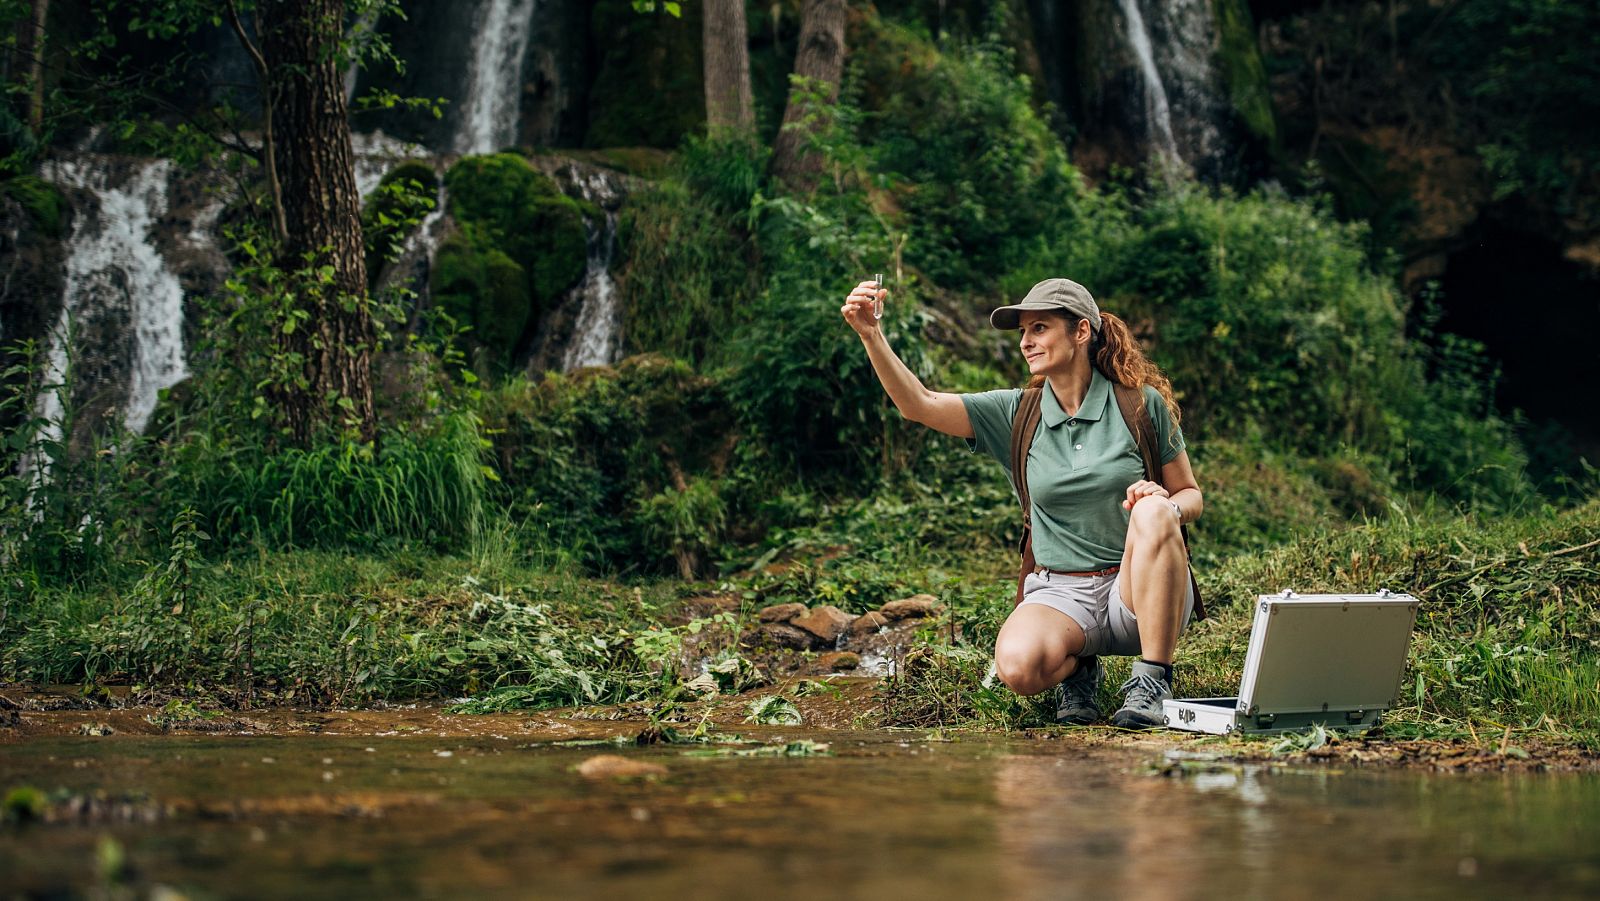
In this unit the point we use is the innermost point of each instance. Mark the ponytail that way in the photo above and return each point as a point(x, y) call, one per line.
point(1117, 355)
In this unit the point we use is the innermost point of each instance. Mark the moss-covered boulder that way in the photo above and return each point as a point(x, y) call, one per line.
point(41, 200)
point(485, 291)
point(520, 246)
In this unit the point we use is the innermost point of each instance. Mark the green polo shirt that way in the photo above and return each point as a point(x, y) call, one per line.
point(1079, 468)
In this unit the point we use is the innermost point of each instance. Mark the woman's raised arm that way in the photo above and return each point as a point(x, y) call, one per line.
point(937, 410)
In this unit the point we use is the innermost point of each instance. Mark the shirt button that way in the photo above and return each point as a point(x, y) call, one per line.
point(1077, 447)
point(1072, 422)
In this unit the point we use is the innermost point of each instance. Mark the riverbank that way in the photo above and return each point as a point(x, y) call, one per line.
point(1506, 642)
point(825, 709)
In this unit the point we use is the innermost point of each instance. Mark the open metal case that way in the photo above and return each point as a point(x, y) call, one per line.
point(1333, 660)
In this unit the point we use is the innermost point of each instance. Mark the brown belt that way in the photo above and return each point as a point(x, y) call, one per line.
point(1056, 572)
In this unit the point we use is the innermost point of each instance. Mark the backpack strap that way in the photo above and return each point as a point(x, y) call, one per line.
point(1137, 417)
point(1023, 427)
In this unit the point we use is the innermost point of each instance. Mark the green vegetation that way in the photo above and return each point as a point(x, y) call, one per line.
point(1246, 77)
point(538, 541)
point(42, 201)
point(404, 196)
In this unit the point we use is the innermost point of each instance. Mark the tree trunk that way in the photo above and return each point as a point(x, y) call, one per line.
point(331, 347)
point(819, 63)
point(29, 55)
point(726, 54)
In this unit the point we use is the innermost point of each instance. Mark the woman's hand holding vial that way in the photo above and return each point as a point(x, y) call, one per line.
point(864, 307)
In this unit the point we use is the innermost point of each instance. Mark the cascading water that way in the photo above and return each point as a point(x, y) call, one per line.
point(1157, 108)
point(595, 339)
point(113, 267)
point(1172, 43)
point(1186, 58)
point(489, 111)
point(375, 154)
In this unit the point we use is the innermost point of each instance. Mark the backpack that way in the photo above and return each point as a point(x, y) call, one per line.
point(1137, 418)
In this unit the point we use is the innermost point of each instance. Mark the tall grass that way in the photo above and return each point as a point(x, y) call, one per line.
point(427, 486)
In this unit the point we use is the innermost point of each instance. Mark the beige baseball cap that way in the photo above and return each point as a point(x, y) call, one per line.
point(1061, 295)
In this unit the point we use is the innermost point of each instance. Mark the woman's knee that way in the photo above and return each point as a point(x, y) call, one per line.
point(1022, 666)
point(1154, 522)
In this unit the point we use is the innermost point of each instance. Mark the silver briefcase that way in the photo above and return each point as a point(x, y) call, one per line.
point(1333, 660)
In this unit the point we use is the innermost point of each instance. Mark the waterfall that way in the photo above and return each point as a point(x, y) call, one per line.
point(494, 80)
point(114, 269)
point(1185, 57)
point(1158, 111)
point(595, 338)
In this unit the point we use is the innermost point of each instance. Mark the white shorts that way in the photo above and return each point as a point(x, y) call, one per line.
point(1095, 604)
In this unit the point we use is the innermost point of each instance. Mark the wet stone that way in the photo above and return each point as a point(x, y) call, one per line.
point(784, 635)
point(826, 622)
point(839, 661)
point(780, 613)
point(907, 608)
point(868, 623)
point(616, 766)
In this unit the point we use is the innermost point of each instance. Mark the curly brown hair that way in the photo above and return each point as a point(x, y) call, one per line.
point(1117, 355)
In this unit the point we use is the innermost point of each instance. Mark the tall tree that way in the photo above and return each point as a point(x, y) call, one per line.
point(329, 333)
point(32, 49)
point(818, 65)
point(726, 56)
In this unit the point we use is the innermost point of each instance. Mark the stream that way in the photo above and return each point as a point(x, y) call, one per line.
point(431, 805)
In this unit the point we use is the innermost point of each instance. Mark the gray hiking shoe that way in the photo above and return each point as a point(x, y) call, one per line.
point(1142, 696)
point(1080, 704)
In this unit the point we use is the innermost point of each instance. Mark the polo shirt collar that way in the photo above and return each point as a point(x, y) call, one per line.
point(1092, 408)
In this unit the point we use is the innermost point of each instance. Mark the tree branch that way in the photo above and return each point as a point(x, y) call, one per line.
point(280, 224)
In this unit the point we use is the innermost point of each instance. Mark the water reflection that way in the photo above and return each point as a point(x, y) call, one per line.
point(888, 815)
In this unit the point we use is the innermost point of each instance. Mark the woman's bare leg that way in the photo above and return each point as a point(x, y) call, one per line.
point(1037, 648)
point(1155, 577)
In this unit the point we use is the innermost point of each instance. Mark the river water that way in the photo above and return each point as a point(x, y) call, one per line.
point(504, 811)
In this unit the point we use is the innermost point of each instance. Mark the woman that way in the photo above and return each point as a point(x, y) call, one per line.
point(1113, 574)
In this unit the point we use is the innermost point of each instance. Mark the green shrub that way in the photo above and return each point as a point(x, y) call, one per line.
point(585, 457)
point(980, 177)
point(404, 196)
point(687, 271)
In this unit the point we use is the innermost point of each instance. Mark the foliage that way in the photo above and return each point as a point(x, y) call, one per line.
point(1249, 91)
point(1530, 72)
point(774, 710)
point(955, 135)
point(68, 498)
point(649, 89)
point(686, 277)
point(403, 197)
point(427, 484)
point(582, 455)
point(332, 629)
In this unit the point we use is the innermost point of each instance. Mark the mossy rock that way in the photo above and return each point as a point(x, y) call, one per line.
point(1246, 77)
point(522, 213)
point(504, 307)
point(404, 196)
point(485, 290)
point(43, 202)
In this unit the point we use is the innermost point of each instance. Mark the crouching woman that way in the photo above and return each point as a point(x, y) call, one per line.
point(1111, 572)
